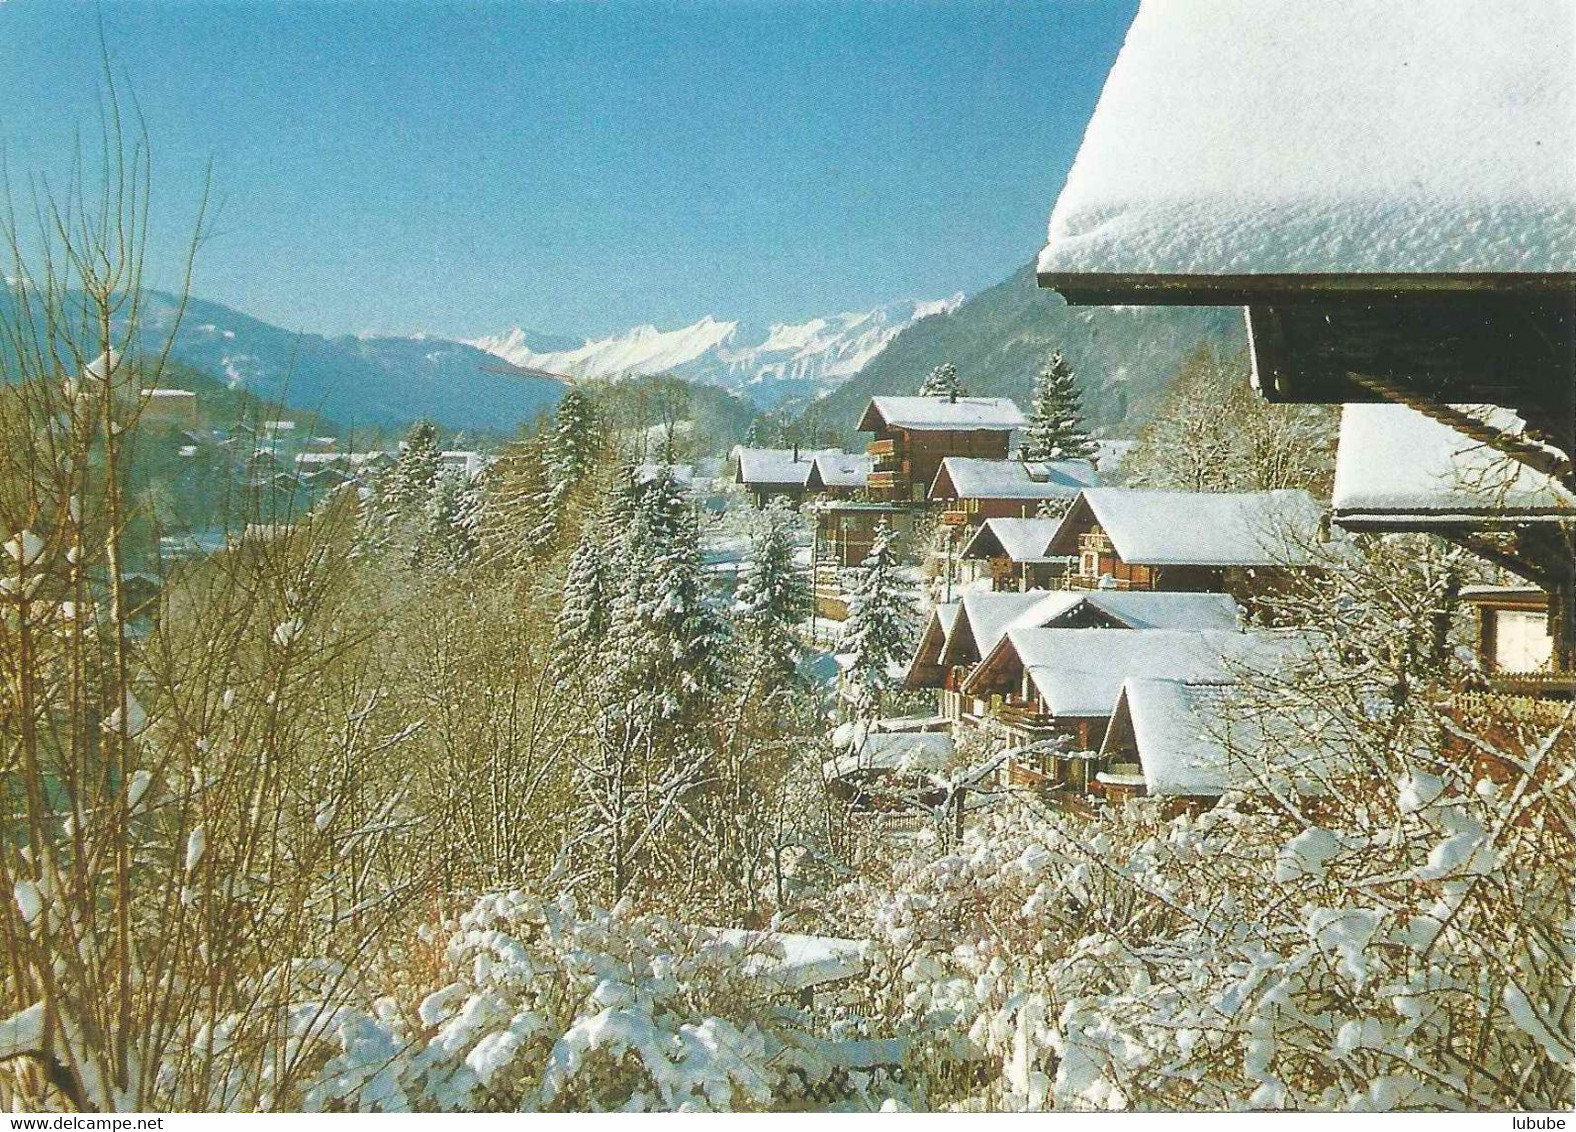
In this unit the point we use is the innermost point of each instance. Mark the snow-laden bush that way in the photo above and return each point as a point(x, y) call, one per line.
point(1240, 960)
point(540, 1006)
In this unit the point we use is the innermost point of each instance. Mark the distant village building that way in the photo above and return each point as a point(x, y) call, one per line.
point(1184, 540)
point(169, 408)
point(913, 435)
point(774, 473)
point(1423, 256)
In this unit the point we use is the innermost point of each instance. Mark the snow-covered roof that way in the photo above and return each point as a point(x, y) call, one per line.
point(1078, 672)
point(1021, 540)
point(933, 640)
point(1192, 740)
point(905, 752)
point(681, 474)
point(1397, 467)
point(1345, 137)
point(943, 414)
point(1178, 747)
point(1195, 528)
point(990, 613)
point(967, 477)
point(842, 469)
point(777, 466)
point(1144, 609)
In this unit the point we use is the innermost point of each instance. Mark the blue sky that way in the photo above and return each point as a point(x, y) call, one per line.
point(578, 167)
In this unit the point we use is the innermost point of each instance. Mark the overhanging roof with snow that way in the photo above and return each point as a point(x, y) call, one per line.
point(840, 469)
point(775, 467)
point(1021, 540)
point(942, 414)
point(1078, 672)
point(967, 477)
point(1246, 148)
point(1397, 469)
point(1194, 528)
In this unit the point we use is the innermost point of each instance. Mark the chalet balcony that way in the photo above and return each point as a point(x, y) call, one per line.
point(1093, 582)
point(882, 449)
point(954, 517)
point(1020, 716)
point(1095, 542)
point(883, 481)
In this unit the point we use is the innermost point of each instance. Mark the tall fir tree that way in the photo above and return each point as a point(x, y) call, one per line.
point(583, 616)
point(879, 630)
point(773, 597)
point(941, 382)
point(672, 634)
point(1056, 427)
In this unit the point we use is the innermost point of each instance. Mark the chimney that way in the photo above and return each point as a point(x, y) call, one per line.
point(796, 452)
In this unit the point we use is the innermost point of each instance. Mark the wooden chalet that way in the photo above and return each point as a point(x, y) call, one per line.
point(774, 473)
point(972, 490)
point(1400, 470)
point(1012, 553)
point(1046, 683)
point(1387, 191)
point(1515, 649)
point(913, 435)
point(1185, 743)
point(840, 475)
point(960, 634)
point(1184, 540)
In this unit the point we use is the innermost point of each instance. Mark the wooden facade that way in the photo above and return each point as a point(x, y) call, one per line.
point(907, 460)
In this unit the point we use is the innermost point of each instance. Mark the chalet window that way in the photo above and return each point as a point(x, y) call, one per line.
point(1090, 564)
point(1521, 641)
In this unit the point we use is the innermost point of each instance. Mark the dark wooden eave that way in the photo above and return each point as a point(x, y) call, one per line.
point(1134, 289)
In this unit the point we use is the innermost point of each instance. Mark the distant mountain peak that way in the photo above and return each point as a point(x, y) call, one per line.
point(811, 357)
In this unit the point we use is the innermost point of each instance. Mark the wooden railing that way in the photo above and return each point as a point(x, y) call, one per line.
point(1095, 541)
point(1086, 582)
point(1024, 717)
point(882, 449)
point(1537, 685)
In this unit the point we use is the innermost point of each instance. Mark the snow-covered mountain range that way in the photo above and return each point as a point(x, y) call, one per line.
point(803, 359)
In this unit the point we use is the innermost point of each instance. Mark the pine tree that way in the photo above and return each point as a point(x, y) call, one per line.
point(572, 446)
point(879, 630)
point(773, 596)
point(583, 616)
point(941, 382)
point(1056, 428)
point(453, 512)
point(416, 470)
point(671, 632)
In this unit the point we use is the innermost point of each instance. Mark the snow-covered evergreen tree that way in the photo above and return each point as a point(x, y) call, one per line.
point(879, 630)
point(453, 512)
point(665, 612)
point(773, 595)
point(415, 471)
point(583, 616)
point(572, 445)
point(1056, 427)
point(941, 382)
